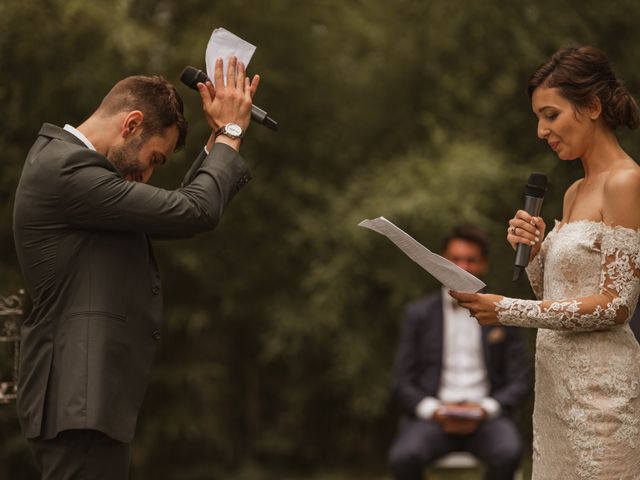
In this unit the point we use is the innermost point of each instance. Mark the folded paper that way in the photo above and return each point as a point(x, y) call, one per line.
point(224, 44)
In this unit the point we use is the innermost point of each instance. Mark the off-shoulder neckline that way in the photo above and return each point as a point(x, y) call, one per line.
point(559, 225)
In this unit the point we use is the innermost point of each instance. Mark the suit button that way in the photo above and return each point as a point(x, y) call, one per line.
point(155, 290)
point(156, 335)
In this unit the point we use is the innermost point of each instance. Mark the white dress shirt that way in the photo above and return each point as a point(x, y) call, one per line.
point(464, 376)
point(74, 131)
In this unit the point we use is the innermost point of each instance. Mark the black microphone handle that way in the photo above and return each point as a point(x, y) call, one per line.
point(260, 116)
point(532, 205)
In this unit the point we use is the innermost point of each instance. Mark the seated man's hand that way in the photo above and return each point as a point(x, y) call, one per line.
point(459, 419)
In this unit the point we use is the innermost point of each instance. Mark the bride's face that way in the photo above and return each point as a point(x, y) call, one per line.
point(567, 131)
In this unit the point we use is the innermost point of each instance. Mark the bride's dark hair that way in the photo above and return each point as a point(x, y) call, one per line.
point(582, 74)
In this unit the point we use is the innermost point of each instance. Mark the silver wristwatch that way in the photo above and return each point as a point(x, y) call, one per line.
point(231, 130)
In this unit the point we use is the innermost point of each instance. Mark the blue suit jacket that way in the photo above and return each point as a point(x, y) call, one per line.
point(418, 364)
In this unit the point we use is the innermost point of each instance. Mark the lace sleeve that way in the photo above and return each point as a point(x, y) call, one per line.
point(612, 305)
point(535, 272)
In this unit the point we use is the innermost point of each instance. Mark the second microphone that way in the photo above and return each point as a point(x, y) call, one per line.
point(191, 76)
point(533, 197)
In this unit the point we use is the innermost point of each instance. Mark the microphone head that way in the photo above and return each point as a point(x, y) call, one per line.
point(537, 185)
point(191, 76)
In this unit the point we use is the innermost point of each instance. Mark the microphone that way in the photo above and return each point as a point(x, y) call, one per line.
point(533, 197)
point(191, 76)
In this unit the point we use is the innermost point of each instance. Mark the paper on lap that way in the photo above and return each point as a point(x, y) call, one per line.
point(224, 44)
point(446, 272)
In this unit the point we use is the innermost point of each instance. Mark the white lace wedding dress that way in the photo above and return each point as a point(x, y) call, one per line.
point(586, 417)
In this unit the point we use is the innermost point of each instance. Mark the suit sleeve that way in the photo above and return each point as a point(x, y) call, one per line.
point(95, 196)
point(195, 166)
point(406, 365)
point(517, 383)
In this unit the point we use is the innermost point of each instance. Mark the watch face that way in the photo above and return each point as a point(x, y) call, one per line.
point(234, 130)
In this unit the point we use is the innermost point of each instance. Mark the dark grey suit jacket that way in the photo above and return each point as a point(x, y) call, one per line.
point(418, 366)
point(82, 237)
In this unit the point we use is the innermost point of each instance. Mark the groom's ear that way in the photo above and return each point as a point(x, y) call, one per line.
point(131, 123)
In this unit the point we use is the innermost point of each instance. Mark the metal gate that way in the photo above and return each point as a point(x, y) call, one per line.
point(10, 320)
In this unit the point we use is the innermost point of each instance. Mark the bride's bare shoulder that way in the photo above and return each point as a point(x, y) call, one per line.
point(623, 180)
point(622, 197)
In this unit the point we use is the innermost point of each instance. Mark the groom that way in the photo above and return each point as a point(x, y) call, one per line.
point(84, 216)
point(456, 382)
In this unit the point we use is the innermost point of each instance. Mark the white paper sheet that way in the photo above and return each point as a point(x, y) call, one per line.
point(224, 44)
point(446, 272)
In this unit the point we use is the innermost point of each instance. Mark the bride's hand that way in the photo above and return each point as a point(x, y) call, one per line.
point(481, 306)
point(524, 228)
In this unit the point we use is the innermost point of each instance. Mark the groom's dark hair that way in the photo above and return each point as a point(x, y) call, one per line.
point(468, 233)
point(155, 97)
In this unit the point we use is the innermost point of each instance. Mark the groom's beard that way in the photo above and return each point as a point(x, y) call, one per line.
point(125, 159)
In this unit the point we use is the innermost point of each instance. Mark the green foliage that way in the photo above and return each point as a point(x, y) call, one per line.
point(281, 325)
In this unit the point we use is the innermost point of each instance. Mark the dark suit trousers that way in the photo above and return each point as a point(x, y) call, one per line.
point(496, 443)
point(81, 455)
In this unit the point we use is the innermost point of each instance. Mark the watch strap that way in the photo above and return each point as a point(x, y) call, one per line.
point(223, 131)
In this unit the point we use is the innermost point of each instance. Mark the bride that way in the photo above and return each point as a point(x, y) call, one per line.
point(585, 275)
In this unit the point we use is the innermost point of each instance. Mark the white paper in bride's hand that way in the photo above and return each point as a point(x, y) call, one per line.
point(224, 44)
point(446, 272)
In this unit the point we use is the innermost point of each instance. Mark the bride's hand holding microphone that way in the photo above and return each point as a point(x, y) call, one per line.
point(527, 229)
point(523, 228)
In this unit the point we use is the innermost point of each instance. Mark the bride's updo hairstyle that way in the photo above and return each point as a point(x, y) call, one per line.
point(583, 73)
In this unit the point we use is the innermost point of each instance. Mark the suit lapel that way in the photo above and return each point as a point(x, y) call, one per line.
point(485, 341)
point(485, 345)
point(437, 319)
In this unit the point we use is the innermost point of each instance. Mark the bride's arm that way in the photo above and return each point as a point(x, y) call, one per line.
point(619, 277)
point(535, 273)
point(612, 305)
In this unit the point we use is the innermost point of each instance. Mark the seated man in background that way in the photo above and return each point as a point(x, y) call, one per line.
point(455, 381)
